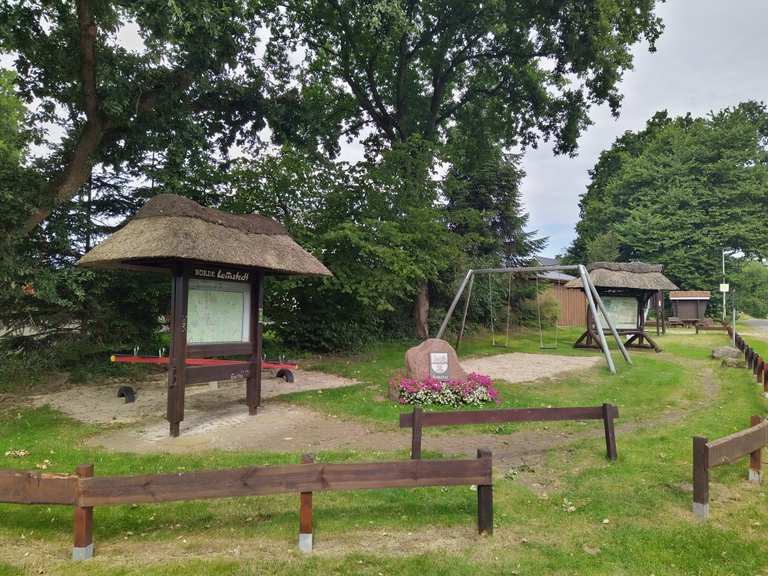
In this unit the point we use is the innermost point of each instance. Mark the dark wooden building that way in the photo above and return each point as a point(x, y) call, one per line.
point(689, 306)
point(572, 303)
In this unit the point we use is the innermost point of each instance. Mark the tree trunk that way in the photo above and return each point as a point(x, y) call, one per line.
point(421, 312)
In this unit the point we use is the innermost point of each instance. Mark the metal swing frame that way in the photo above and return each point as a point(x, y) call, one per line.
point(594, 302)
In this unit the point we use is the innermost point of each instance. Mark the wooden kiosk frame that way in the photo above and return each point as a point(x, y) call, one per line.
point(180, 374)
point(221, 259)
point(615, 281)
point(638, 337)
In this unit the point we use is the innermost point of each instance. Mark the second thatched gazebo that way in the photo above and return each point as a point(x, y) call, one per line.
point(626, 289)
point(218, 262)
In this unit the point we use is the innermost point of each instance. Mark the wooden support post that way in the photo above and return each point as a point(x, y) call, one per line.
point(765, 383)
point(700, 477)
point(305, 514)
point(253, 382)
point(416, 429)
point(756, 457)
point(484, 501)
point(178, 352)
point(759, 369)
point(610, 431)
point(83, 524)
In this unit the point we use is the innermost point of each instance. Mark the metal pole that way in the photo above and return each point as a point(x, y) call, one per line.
point(725, 295)
point(464, 316)
point(590, 300)
point(733, 323)
point(448, 315)
point(601, 306)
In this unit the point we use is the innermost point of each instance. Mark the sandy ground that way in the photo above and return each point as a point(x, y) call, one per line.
point(217, 419)
point(521, 367)
point(100, 404)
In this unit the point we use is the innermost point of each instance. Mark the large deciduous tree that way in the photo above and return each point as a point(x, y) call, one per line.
point(194, 84)
point(682, 190)
point(389, 70)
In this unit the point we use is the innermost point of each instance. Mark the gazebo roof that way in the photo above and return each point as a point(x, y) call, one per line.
point(171, 228)
point(627, 276)
point(690, 295)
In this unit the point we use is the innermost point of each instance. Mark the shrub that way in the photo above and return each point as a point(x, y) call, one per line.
point(474, 391)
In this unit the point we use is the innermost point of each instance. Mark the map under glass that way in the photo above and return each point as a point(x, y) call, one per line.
point(218, 311)
point(622, 311)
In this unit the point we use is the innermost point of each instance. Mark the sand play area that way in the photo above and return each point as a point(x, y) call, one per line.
point(216, 416)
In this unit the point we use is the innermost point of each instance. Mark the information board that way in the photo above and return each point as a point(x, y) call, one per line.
point(622, 311)
point(218, 311)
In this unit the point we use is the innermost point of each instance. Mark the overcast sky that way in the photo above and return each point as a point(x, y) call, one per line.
point(712, 55)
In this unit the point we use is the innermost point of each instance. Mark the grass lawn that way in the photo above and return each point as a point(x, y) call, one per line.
point(575, 514)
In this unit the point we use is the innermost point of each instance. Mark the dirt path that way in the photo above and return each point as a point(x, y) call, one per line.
point(100, 405)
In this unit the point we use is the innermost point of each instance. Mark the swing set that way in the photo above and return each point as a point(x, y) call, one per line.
point(594, 302)
point(551, 345)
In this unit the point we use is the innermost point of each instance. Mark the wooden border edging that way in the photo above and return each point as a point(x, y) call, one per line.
point(726, 450)
point(84, 491)
point(418, 419)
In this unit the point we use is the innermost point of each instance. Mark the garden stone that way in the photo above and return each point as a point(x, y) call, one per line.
point(725, 352)
point(433, 358)
point(733, 363)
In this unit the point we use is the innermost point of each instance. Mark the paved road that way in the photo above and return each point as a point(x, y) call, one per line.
point(758, 324)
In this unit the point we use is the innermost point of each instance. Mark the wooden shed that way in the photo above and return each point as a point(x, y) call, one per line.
point(689, 306)
point(572, 303)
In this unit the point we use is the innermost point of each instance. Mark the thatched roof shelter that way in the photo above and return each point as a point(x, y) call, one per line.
point(626, 276)
point(171, 228)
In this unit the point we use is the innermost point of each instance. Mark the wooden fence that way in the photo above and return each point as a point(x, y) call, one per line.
point(754, 361)
point(726, 450)
point(84, 491)
point(418, 419)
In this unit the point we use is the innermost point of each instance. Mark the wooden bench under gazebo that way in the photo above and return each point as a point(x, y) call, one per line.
point(218, 262)
point(627, 289)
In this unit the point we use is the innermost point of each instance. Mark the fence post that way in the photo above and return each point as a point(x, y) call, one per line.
point(610, 432)
point(485, 500)
point(700, 477)
point(765, 383)
point(416, 433)
point(305, 513)
point(756, 457)
point(83, 524)
point(759, 369)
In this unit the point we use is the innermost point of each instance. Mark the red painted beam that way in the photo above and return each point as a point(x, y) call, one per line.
point(196, 362)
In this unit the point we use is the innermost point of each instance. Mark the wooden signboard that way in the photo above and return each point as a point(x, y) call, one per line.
point(215, 311)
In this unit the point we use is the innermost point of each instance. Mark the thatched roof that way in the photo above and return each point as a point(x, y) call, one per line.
point(626, 275)
point(171, 228)
point(690, 295)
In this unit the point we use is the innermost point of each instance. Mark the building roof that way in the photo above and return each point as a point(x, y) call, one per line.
point(689, 295)
point(626, 275)
point(555, 276)
point(170, 228)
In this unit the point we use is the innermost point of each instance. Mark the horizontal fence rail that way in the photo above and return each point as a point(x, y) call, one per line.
point(418, 419)
point(753, 360)
point(84, 491)
point(262, 480)
point(19, 487)
point(726, 450)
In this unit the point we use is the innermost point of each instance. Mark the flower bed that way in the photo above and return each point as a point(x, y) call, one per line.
point(474, 391)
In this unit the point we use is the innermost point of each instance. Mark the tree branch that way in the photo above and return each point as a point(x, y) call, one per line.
point(77, 170)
